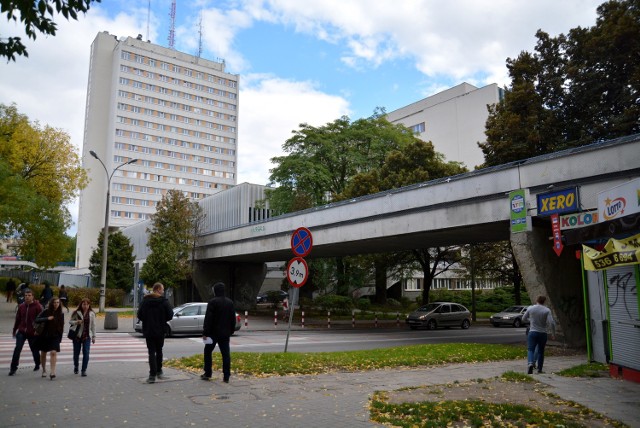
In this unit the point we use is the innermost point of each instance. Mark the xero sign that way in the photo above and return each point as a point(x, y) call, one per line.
point(558, 202)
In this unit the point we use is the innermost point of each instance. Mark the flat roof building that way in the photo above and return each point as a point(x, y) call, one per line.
point(174, 112)
point(453, 120)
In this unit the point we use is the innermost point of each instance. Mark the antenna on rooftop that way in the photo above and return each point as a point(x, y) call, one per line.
point(148, 17)
point(172, 28)
point(200, 36)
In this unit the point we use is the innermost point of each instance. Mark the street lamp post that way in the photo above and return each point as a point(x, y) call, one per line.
point(105, 233)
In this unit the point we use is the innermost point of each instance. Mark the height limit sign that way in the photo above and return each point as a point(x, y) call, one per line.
point(297, 272)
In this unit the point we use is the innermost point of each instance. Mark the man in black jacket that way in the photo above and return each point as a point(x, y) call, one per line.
point(154, 312)
point(219, 325)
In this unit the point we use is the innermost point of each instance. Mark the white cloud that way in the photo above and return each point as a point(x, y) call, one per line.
point(270, 109)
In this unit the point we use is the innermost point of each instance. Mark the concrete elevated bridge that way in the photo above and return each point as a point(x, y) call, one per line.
point(463, 209)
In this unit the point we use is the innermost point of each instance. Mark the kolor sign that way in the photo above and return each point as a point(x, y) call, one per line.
point(573, 221)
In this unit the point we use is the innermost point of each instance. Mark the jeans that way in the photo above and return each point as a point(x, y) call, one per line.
point(538, 340)
point(86, 348)
point(223, 344)
point(20, 339)
point(154, 346)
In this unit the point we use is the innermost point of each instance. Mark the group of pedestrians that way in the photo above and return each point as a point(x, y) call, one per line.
point(219, 324)
point(43, 330)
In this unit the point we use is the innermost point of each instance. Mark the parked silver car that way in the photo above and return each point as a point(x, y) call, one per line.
point(510, 316)
point(439, 314)
point(187, 319)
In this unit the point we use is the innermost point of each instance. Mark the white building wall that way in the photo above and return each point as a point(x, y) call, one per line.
point(454, 120)
point(176, 113)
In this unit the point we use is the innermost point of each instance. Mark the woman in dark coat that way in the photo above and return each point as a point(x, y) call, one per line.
point(51, 336)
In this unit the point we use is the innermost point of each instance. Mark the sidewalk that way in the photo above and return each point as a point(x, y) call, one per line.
point(114, 394)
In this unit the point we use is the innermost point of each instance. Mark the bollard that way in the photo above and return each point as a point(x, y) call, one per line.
point(328, 319)
point(376, 324)
point(110, 321)
point(353, 319)
point(275, 319)
point(398, 319)
point(246, 319)
point(302, 319)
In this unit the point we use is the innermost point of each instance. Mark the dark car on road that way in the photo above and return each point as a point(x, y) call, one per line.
point(187, 319)
point(278, 296)
point(439, 314)
point(511, 316)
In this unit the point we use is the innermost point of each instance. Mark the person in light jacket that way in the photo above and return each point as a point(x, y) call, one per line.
point(83, 320)
point(541, 320)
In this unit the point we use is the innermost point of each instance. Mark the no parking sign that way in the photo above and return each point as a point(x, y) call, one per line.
point(301, 242)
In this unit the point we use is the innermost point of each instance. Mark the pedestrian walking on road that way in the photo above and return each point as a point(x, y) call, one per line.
point(46, 295)
point(154, 312)
point(51, 336)
point(10, 288)
point(541, 320)
point(23, 330)
point(64, 297)
point(219, 325)
point(83, 320)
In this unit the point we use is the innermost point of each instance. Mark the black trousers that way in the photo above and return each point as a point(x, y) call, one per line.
point(154, 346)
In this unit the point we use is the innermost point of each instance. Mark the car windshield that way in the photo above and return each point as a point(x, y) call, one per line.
point(428, 308)
point(513, 309)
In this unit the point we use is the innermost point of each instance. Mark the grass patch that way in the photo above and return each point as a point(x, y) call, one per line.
point(517, 377)
point(586, 370)
point(296, 363)
point(463, 413)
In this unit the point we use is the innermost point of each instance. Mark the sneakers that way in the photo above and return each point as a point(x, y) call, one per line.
point(75, 370)
point(205, 377)
point(225, 380)
point(530, 369)
point(12, 372)
point(83, 374)
point(160, 375)
point(152, 379)
point(36, 368)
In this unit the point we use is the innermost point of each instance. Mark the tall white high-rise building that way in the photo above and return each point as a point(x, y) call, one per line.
point(174, 112)
point(453, 120)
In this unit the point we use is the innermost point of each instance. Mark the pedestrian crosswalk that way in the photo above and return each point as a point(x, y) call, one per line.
point(109, 348)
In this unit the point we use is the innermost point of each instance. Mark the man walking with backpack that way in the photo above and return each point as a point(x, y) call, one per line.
point(23, 330)
point(219, 325)
point(154, 312)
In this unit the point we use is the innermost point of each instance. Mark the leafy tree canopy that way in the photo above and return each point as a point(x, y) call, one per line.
point(171, 238)
point(37, 17)
point(575, 89)
point(40, 172)
point(120, 268)
point(321, 161)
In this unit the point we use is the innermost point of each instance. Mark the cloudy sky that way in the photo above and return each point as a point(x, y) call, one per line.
point(298, 61)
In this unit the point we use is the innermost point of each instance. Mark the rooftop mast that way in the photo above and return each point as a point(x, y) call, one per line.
point(172, 28)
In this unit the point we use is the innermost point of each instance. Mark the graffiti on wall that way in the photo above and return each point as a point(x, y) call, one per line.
point(623, 291)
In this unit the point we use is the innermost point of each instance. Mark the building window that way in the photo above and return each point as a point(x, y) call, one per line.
point(419, 128)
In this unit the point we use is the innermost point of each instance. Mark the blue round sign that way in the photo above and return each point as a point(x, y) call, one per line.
point(301, 242)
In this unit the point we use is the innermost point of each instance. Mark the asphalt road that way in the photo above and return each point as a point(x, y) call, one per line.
point(326, 340)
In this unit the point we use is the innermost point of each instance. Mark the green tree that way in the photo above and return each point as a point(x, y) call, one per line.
point(120, 258)
point(171, 238)
point(416, 162)
point(575, 89)
point(40, 172)
point(321, 162)
point(37, 18)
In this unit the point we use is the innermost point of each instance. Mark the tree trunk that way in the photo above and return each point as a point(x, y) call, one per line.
point(381, 281)
point(341, 275)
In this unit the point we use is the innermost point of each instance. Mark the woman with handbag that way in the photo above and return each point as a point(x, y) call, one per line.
point(49, 339)
point(83, 322)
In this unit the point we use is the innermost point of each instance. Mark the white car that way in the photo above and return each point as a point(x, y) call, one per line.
point(187, 319)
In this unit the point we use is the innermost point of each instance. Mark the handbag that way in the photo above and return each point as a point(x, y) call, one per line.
point(73, 333)
point(38, 326)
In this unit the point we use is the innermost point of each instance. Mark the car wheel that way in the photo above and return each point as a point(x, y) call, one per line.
point(465, 324)
point(517, 323)
point(432, 325)
point(167, 331)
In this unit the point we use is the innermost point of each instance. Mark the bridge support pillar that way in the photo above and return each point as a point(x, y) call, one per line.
point(243, 280)
point(558, 278)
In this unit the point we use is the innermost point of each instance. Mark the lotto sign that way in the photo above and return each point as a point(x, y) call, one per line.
point(297, 272)
point(301, 242)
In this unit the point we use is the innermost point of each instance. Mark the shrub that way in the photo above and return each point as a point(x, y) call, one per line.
point(363, 304)
point(394, 303)
point(341, 305)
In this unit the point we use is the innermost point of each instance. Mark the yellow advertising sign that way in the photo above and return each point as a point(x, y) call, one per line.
point(616, 253)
